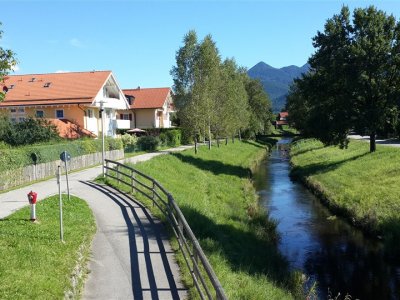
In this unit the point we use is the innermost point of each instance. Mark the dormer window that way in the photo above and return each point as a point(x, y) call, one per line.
point(11, 86)
point(129, 99)
point(47, 84)
point(33, 79)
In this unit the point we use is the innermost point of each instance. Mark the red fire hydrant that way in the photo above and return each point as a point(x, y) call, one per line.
point(32, 198)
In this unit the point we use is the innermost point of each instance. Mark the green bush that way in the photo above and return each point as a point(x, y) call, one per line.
point(163, 139)
point(114, 143)
point(88, 146)
point(129, 140)
point(28, 132)
point(173, 138)
point(148, 143)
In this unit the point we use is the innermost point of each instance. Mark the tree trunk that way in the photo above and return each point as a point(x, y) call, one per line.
point(209, 137)
point(195, 145)
point(372, 143)
point(226, 141)
point(233, 138)
point(218, 141)
point(240, 136)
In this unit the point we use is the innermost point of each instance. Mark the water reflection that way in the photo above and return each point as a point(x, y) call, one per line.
point(322, 246)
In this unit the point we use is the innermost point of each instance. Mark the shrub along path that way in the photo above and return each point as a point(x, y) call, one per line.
point(131, 255)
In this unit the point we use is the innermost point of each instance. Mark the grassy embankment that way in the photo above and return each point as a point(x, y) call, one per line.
point(360, 185)
point(34, 264)
point(216, 195)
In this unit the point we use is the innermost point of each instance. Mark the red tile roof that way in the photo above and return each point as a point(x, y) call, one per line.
point(64, 88)
point(69, 130)
point(148, 98)
point(283, 114)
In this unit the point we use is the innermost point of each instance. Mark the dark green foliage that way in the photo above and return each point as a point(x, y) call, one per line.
point(353, 82)
point(148, 143)
point(27, 132)
point(173, 138)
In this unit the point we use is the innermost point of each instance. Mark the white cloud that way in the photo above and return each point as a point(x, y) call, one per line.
point(74, 42)
point(15, 68)
point(62, 71)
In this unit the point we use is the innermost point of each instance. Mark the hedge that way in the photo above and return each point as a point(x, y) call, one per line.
point(12, 158)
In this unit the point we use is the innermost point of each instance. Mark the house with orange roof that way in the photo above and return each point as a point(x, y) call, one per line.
point(73, 101)
point(149, 107)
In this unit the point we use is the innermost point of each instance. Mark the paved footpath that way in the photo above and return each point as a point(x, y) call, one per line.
point(131, 255)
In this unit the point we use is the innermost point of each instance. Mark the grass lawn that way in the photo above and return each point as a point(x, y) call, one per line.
point(364, 186)
point(216, 195)
point(34, 264)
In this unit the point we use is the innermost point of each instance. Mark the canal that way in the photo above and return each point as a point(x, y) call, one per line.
point(329, 251)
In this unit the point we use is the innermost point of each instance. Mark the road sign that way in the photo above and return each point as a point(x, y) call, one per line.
point(65, 156)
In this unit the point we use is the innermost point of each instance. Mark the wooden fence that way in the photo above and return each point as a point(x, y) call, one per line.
point(20, 176)
point(204, 278)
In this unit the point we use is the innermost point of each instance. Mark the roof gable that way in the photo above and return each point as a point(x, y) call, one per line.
point(148, 98)
point(53, 88)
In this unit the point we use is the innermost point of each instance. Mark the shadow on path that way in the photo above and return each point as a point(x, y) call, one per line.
point(147, 229)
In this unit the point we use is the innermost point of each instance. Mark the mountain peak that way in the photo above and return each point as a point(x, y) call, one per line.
point(276, 81)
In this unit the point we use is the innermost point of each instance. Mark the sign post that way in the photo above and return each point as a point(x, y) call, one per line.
point(60, 201)
point(65, 157)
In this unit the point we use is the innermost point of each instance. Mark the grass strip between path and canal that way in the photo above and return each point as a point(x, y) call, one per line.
point(34, 263)
point(215, 193)
point(360, 185)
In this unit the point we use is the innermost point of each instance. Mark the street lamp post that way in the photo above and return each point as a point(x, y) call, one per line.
point(102, 135)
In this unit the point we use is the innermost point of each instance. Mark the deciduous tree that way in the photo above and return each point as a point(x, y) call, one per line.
point(7, 62)
point(353, 79)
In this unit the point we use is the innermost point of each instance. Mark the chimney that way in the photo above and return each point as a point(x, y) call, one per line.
point(138, 88)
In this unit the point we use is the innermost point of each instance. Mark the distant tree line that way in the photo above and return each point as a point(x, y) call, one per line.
point(354, 79)
point(216, 98)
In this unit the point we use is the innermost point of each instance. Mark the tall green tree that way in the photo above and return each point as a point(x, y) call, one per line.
point(260, 107)
point(353, 79)
point(377, 69)
point(7, 62)
point(232, 105)
point(183, 77)
point(207, 77)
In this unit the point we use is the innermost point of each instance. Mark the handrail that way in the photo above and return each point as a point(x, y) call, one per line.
point(193, 254)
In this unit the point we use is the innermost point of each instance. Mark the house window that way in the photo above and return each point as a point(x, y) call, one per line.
point(21, 109)
point(13, 110)
point(60, 114)
point(13, 120)
point(90, 113)
point(126, 117)
point(21, 119)
point(39, 114)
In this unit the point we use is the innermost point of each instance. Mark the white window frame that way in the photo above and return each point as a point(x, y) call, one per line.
point(57, 117)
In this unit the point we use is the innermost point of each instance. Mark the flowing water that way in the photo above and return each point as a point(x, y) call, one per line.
point(325, 248)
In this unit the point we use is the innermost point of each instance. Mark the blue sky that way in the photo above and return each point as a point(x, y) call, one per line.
point(138, 40)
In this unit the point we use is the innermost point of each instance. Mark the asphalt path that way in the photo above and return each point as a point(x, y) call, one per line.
point(131, 255)
point(384, 142)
